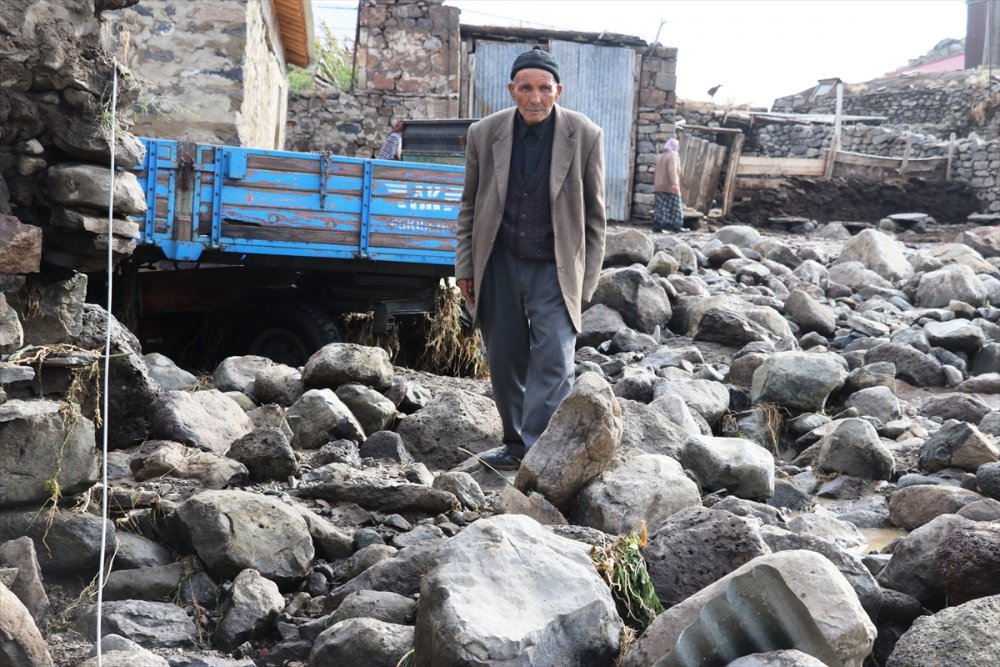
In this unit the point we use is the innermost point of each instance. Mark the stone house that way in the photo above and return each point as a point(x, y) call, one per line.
point(213, 72)
point(416, 61)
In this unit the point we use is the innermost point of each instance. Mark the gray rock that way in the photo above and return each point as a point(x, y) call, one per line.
point(786, 658)
point(636, 295)
point(878, 252)
point(739, 466)
point(628, 246)
point(419, 535)
point(343, 363)
point(847, 563)
point(957, 444)
point(135, 551)
point(318, 417)
point(852, 447)
point(452, 419)
point(463, 486)
point(579, 443)
point(385, 445)
point(162, 458)
point(279, 384)
point(168, 374)
point(238, 373)
point(117, 651)
point(208, 419)
point(913, 506)
point(331, 542)
point(741, 236)
point(801, 381)
point(810, 314)
point(823, 524)
point(266, 453)
point(248, 611)
point(146, 583)
point(878, 402)
point(408, 396)
point(967, 635)
point(708, 398)
point(64, 542)
point(22, 643)
point(37, 439)
point(57, 314)
point(912, 568)
point(374, 411)
point(955, 282)
point(856, 276)
point(11, 332)
point(968, 560)
point(695, 547)
point(88, 185)
point(370, 489)
point(827, 596)
point(913, 366)
point(27, 585)
point(235, 530)
point(362, 641)
point(988, 479)
point(955, 406)
point(402, 573)
point(645, 489)
point(955, 335)
point(149, 624)
point(598, 324)
point(553, 609)
point(20, 243)
point(384, 606)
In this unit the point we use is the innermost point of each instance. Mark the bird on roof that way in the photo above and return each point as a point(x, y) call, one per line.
point(713, 90)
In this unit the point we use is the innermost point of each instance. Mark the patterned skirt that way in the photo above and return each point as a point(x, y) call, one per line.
point(668, 212)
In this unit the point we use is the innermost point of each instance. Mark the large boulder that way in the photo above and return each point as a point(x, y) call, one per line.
point(47, 448)
point(248, 611)
point(912, 506)
point(646, 489)
point(955, 282)
point(452, 419)
point(88, 186)
point(967, 635)
point(852, 447)
point(318, 417)
point(21, 643)
point(957, 444)
point(878, 252)
point(64, 541)
point(636, 295)
point(912, 568)
point(801, 381)
point(150, 624)
point(208, 420)
point(342, 363)
point(549, 607)
point(741, 467)
point(814, 580)
point(236, 530)
point(968, 561)
point(362, 641)
point(578, 444)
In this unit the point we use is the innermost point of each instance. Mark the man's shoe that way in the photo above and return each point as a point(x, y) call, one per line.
point(501, 459)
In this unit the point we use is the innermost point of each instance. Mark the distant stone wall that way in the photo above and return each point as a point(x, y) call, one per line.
point(214, 72)
point(408, 69)
point(960, 102)
point(978, 164)
point(655, 122)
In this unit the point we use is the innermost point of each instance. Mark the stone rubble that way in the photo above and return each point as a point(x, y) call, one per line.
point(773, 418)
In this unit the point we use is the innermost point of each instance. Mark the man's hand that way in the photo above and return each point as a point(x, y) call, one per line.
point(467, 287)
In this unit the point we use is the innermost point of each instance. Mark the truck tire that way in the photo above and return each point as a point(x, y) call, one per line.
point(289, 333)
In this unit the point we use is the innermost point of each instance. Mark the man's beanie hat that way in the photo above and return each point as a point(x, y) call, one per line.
point(535, 59)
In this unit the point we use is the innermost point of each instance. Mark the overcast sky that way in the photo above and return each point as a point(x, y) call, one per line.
point(757, 49)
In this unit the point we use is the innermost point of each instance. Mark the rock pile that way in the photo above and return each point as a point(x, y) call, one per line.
point(760, 404)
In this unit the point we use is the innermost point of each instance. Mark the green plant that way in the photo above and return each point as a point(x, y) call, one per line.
point(624, 569)
point(334, 65)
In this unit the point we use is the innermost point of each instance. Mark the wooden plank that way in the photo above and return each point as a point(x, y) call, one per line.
point(758, 183)
point(781, 166)
point(861, 159)
point(831, 155)
point(729, 186)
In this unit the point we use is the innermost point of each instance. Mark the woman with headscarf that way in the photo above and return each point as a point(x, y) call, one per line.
point(668, 210)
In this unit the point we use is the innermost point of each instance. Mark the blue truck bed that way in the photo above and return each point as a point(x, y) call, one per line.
point(225, 204)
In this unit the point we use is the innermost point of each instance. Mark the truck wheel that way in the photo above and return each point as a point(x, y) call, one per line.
point(289, 333)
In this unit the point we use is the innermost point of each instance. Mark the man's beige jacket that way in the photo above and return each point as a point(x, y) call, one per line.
point(576, 193)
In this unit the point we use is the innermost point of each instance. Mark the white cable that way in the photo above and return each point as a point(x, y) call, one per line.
point(107, 363)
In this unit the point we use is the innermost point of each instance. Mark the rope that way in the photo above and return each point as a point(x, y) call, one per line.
point(107, 365)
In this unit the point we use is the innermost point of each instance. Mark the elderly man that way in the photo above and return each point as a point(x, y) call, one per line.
point(530, 245)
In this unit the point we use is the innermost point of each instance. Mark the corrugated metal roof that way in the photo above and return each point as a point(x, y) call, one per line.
point(295, 25)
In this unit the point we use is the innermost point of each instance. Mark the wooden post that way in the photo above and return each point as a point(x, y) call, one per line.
point(951, 156)
point(831, 157)
point(906, 155)
point(729, 186)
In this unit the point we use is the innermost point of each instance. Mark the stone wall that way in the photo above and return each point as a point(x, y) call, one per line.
point(960, 102)
point(655, 122)
point(213, 72)
point(408, 69)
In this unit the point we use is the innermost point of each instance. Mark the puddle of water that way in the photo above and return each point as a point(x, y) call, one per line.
point(880, 537)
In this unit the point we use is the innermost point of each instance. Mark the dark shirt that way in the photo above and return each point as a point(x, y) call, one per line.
point(530, 142)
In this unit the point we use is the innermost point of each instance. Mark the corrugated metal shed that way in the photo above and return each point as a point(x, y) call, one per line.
point(599, 81)
point(493, 61)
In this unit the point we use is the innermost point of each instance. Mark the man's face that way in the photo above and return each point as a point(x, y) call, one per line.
point(535, 92)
